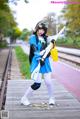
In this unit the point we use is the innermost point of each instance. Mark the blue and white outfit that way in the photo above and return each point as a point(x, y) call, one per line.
point(46, 68)
point(39, 46)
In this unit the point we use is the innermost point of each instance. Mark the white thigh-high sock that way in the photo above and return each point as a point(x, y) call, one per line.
point(38, 80)
point(49, 84)
point(29, 91)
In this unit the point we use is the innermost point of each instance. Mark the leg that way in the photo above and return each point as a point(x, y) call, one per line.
point(35, 86)
point(50, 87)
point(29, 91)
point(37, 83)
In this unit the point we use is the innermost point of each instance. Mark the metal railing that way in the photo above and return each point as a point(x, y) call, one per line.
point(4, 80)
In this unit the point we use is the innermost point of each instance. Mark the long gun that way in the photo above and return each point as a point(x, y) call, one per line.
point(35, 73)
point(57, 35)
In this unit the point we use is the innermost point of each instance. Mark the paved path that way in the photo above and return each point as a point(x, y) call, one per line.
point(15, 67)
point(68, 76)
point(66, 107)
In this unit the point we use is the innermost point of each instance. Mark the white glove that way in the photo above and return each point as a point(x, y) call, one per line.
point(42, 52)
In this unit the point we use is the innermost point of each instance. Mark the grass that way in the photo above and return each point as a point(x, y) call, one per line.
point(23, 61)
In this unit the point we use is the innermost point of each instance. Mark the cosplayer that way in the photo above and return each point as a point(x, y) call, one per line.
point(40, 64)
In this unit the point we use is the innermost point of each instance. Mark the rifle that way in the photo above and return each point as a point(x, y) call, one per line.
point(35, 73)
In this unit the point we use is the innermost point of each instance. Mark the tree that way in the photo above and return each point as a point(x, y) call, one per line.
point(7, 20)
point(50, 19)
point(25, 34)
point(72, 15)
point(14, 33)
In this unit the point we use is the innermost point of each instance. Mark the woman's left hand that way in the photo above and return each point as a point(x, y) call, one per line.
point(42, 62)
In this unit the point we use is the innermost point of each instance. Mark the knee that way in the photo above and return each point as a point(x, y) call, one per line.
point(35, 86)
point(49, 82)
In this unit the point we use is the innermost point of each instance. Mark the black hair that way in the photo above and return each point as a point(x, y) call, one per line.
point(32, 48)
point(40, 26)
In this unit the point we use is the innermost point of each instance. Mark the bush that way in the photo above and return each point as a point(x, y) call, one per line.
point(72, 42)
point(3, 44)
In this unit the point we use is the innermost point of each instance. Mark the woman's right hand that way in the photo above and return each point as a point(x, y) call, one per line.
point(42, 52)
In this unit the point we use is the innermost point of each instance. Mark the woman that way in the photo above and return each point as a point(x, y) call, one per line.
point(38, 43)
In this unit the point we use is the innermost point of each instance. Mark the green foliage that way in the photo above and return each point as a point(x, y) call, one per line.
point(14, 33)
point(7, 21)
point(25, 34)
point(72, 15)
point(8, 26)
point(3, 44)
point(73, 42)
point(23, 61)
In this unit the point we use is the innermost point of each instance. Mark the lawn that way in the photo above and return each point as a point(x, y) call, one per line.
point(23, 62)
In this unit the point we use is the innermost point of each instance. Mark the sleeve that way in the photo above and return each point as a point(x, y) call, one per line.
point(31, 54)
point(33, 45)
point(32, 40)
point(33, 48)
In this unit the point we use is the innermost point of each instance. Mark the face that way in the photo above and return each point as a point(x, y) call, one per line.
point(40, 32)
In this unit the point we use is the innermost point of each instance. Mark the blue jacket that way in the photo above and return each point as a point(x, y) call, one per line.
point(35, 60)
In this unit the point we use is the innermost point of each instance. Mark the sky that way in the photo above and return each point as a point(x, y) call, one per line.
point(28, 15)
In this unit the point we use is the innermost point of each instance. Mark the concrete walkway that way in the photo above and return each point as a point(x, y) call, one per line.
point(66, 107)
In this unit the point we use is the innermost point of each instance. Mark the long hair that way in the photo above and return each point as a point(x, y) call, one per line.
point(38, 26)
